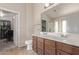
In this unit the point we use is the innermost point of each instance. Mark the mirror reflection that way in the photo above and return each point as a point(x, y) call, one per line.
point(57, 21)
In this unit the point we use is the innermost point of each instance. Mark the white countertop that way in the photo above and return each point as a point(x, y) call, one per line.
point(74, 42)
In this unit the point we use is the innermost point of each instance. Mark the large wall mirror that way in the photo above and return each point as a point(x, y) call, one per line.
point(62, 18)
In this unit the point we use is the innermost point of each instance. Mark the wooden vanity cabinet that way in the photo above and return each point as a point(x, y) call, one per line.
point(34, 43)
point(43, 46)
point(49, 47)
point(40, 46)
point(69, 49)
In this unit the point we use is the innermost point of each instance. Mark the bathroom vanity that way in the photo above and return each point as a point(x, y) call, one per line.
point(54, 46)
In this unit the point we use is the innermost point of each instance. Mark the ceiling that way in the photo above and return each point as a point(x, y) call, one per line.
point(62, 10)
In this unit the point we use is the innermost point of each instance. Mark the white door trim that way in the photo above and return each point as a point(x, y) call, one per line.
point(17, 28)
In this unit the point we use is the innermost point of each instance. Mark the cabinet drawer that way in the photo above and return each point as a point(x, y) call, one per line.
point(34, 43)
point(34, 37)
point(68, 48)
point(47, 53)
point(34, 40)
point(50, 42)
point(75, 50)
point(64, 47)
point(59, 52)
point(50, 52)
point(59, 45)
point(40, 39)
point(49, 47)
point(35, 49)
point(40, 51)
point(40, 46)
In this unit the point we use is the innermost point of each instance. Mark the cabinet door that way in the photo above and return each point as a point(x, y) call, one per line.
point(34, 43)
point(50, 42)
point(64, 47)
point(40, 46)
point(49, 47)
point(40, 51)
point(59, 52)
point(75, 50)
point(67, 48)
point(49, 52)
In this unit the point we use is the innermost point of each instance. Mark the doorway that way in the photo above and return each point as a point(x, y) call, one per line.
point(8, 29)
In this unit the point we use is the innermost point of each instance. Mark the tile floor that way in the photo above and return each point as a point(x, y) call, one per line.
point(18, 51)
point(5, 45)
point(8, 48)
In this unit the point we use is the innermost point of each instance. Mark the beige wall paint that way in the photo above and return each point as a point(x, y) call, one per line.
point(30, 19)
point(36, 24)
point(25, 26)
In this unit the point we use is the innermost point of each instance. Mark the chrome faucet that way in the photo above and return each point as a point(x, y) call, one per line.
point(64, 35)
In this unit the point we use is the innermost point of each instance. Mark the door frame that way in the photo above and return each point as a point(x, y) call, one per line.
point(16, 35)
